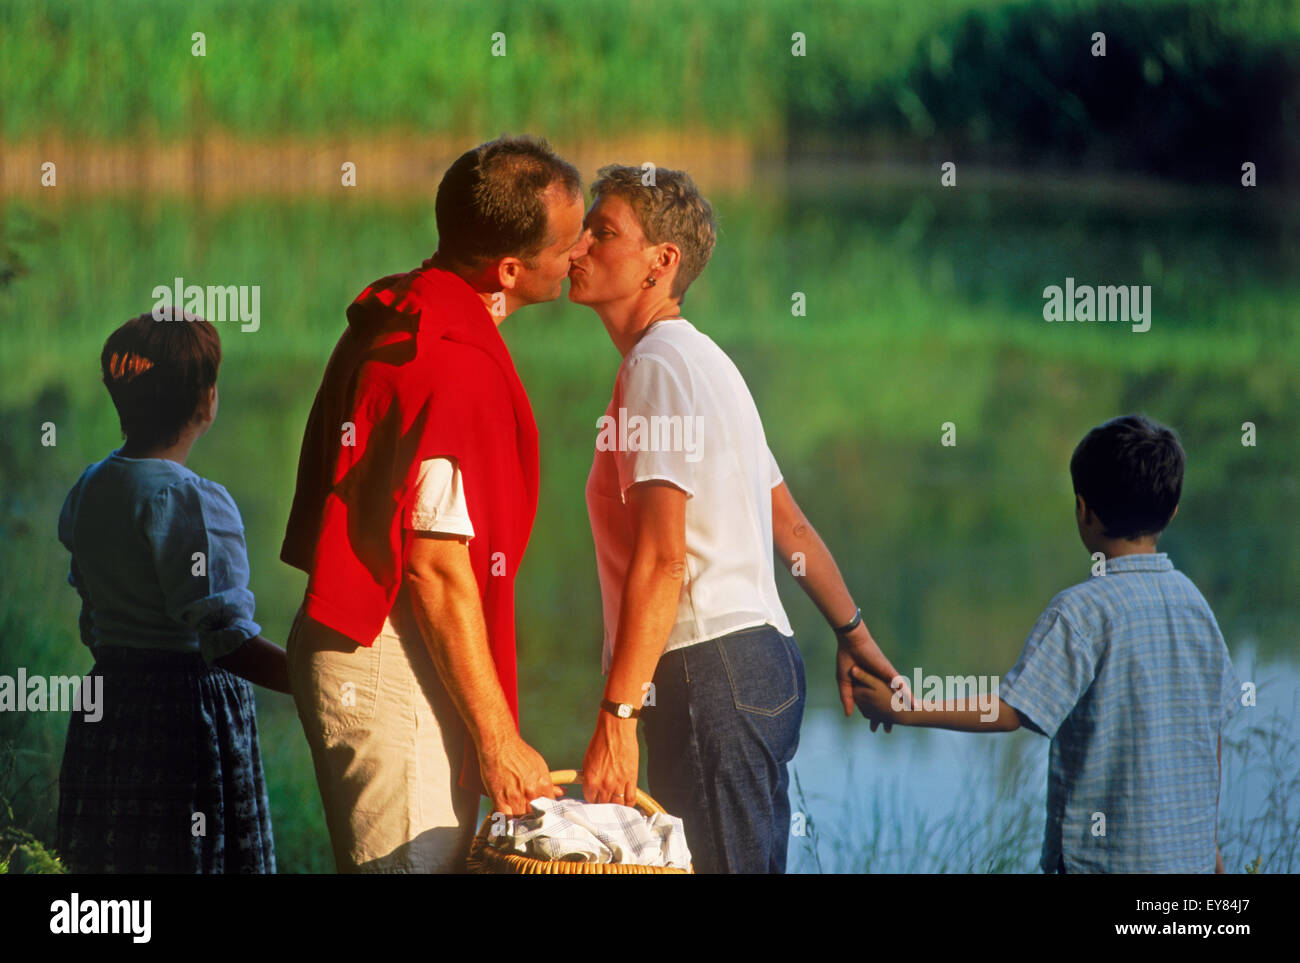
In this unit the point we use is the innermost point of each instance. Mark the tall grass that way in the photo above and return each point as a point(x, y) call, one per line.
point(1001, 78)
point(996, 820)
point(995, 824)
point(1267, 839)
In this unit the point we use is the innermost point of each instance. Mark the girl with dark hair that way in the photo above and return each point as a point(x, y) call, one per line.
point(166, 775)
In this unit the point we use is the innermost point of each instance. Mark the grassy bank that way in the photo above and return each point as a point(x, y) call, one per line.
point(1185, 87)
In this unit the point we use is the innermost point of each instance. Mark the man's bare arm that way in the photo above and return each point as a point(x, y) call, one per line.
point(445, 597)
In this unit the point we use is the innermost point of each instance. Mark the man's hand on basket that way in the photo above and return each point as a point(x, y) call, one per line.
point(609, 769)
point(514, 774)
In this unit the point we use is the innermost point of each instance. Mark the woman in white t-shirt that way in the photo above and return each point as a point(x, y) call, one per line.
point(686, 504)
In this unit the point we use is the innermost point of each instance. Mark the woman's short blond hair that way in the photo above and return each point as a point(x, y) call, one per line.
point(670, 208)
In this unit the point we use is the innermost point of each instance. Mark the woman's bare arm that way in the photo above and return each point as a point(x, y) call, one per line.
point(651, 590)
point(804, 554)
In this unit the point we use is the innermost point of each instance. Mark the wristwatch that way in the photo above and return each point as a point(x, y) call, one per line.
point(620, 709)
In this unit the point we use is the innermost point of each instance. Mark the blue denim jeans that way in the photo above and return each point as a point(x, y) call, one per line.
point(719, 740)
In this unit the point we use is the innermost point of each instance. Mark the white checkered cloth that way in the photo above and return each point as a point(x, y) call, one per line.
point(576, 831)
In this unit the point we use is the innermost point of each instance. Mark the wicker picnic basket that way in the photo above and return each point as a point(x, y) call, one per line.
point(486, 859)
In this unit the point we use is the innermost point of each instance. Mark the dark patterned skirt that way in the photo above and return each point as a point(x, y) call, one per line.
point(169, 780)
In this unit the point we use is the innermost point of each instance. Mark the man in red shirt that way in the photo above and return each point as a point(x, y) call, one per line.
point(417, 489)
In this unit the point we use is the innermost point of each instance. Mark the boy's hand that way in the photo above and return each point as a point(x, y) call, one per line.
point(875, 700)
point(845, 666)
point(859, 649)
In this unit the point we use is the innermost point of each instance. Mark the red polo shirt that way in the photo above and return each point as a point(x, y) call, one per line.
point(421, 372)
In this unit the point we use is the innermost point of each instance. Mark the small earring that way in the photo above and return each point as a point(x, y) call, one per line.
point(653, 280)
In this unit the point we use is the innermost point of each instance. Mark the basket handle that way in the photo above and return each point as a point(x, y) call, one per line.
point(644, 801)
point(564, 777)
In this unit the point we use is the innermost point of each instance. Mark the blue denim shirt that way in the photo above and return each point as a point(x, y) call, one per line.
point(1128, 675)
point(158, 558)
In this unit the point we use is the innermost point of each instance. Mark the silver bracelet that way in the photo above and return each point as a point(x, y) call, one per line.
point(852, 624)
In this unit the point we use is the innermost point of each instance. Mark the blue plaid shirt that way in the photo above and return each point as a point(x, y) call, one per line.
point(1128, 675)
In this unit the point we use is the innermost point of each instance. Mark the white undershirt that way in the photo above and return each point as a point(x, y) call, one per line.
point(439, 506)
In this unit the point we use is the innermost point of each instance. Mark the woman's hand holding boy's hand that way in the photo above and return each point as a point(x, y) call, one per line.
point(877, 700)
point(859, 649)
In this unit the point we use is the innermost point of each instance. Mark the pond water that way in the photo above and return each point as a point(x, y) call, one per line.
point(923, 308)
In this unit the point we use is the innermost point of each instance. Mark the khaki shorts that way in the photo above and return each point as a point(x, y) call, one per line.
point(387, 744)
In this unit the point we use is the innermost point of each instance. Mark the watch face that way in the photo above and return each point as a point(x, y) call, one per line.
point(624, 711)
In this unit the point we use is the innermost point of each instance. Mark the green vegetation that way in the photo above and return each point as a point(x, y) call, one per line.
point(998, 79)
point(20, 851)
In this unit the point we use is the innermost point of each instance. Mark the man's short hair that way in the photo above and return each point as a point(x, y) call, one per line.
point(670, 209)
point(490, 202)
point(1130, 474)
point(157, 372)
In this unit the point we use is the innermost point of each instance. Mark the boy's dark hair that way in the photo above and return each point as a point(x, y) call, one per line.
point(156, 373)
point(1130, 474)
point(490, 203)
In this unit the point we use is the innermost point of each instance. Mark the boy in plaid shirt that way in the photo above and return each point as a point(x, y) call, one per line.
point(1127, 674)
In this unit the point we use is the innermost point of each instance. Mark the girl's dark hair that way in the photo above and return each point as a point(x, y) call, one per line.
point(1130, 474)
point(156, 373)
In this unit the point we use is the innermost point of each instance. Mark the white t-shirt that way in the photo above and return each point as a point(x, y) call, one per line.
point(681, 413)
point(439, 506)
